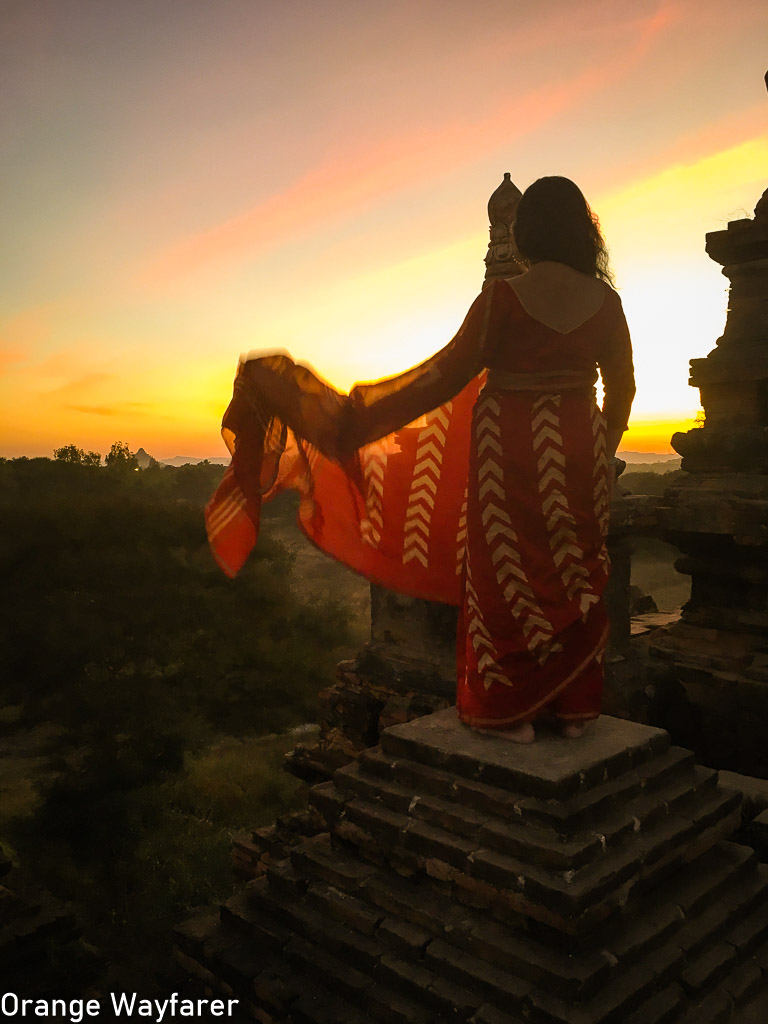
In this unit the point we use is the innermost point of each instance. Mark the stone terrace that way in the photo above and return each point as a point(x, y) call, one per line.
point(465, 878)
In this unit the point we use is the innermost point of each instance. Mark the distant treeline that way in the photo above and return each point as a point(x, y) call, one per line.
point(643, 481)
point(70, 474)
point(109, 585)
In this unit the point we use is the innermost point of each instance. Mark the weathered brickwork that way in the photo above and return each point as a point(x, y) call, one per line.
point(461, 877)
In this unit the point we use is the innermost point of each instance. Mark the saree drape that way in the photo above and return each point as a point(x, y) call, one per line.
point(479, 478)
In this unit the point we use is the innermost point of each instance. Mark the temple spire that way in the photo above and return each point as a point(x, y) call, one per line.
point(502, 258)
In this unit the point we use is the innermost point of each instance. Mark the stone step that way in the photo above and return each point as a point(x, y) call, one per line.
point(682, 897)
point(316, 858)
point(595, 889)
point(490, 1015)
point(732, 912)
point(663, 1008)
point(511, 834)
point(473, 931)
point(344, 909)
point(549, 769)
point(345, 960)
point(323, 1007)
point(439, 896)
point(283, 877)
point(563, 816)
point(445, 981)
point(441, 996)
point(273, 919)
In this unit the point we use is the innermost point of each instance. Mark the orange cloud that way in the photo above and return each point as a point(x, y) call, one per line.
point(115, 409)
point(92, 410)
point(10, 356)
point(83, 382)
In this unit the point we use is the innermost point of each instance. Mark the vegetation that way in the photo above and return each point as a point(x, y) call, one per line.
point(152, 677)
point(649, 482)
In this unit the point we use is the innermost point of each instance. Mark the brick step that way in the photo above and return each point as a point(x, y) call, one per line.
point(700, 955)
point(286, 935)
point(608, 1001)
point(735, 916)
point(407, 915)
point(563, 816)
point(510, 834)
point(663, 1008)
point(545, 770)
point(222, 958)
point(269, 922)
point(700, 972)
point(284, 878)
point(356, 922)
point(490, 1015)
point(498, 986)
point(380, 833)
point(323, 1007)
point(442, 997)
point(357, 949)
point(344, 909)
point(318, 859)
point(654, 939)
point(662, 912)
point(377, 955)
point(218, 953)
point(612, 1004)
point(355, 966)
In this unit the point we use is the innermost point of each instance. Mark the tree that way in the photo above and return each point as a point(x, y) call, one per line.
point(76, 456)
point(121, 458)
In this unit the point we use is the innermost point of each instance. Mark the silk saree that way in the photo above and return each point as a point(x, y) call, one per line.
point(479, 478)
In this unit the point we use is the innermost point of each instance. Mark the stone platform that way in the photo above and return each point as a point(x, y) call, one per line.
point(466, 878)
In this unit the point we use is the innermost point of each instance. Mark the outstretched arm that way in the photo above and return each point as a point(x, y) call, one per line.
point(375, 410)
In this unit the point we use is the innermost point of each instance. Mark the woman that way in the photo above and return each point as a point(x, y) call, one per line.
point(496, 499)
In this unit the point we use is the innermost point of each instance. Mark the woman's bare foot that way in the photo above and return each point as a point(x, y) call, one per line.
point(518, 733)
point(572, 730)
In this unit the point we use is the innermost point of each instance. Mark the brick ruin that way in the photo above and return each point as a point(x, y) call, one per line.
point(462, 877)
point(718, 517)
point(443, 875)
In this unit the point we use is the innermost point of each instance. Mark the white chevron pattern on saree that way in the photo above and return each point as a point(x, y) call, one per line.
point(374, 463)
point(461, 535)
point(567, 553)
point(430, 445)
point(501, 538)
point(487, 665)
point(225, 513)
point(601, 492)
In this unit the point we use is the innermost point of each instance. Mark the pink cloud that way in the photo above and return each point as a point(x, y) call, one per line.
point(361, 175)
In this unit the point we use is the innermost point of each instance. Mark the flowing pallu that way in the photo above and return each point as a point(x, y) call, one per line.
point(479, 479)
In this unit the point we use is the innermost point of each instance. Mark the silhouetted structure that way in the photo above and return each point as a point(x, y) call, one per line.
point(446, 875)
point(718, 517)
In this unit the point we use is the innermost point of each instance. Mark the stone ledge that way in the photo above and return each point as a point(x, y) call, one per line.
point(550, 768)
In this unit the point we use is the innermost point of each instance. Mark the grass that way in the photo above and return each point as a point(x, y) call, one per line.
point(177, 854)
point(237, 783)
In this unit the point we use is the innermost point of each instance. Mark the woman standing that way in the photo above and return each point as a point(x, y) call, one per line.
point(498, 500)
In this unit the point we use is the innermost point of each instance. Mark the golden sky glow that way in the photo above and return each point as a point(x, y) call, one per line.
point(187, 181)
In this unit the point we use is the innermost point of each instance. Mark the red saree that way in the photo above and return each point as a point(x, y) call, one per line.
point(479, 478)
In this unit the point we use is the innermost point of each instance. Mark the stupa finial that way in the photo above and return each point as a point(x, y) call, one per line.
point(502, 258)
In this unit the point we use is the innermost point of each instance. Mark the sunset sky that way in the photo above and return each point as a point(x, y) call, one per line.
point(185, 180)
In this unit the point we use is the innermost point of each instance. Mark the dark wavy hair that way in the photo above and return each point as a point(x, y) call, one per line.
point(554, 222)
